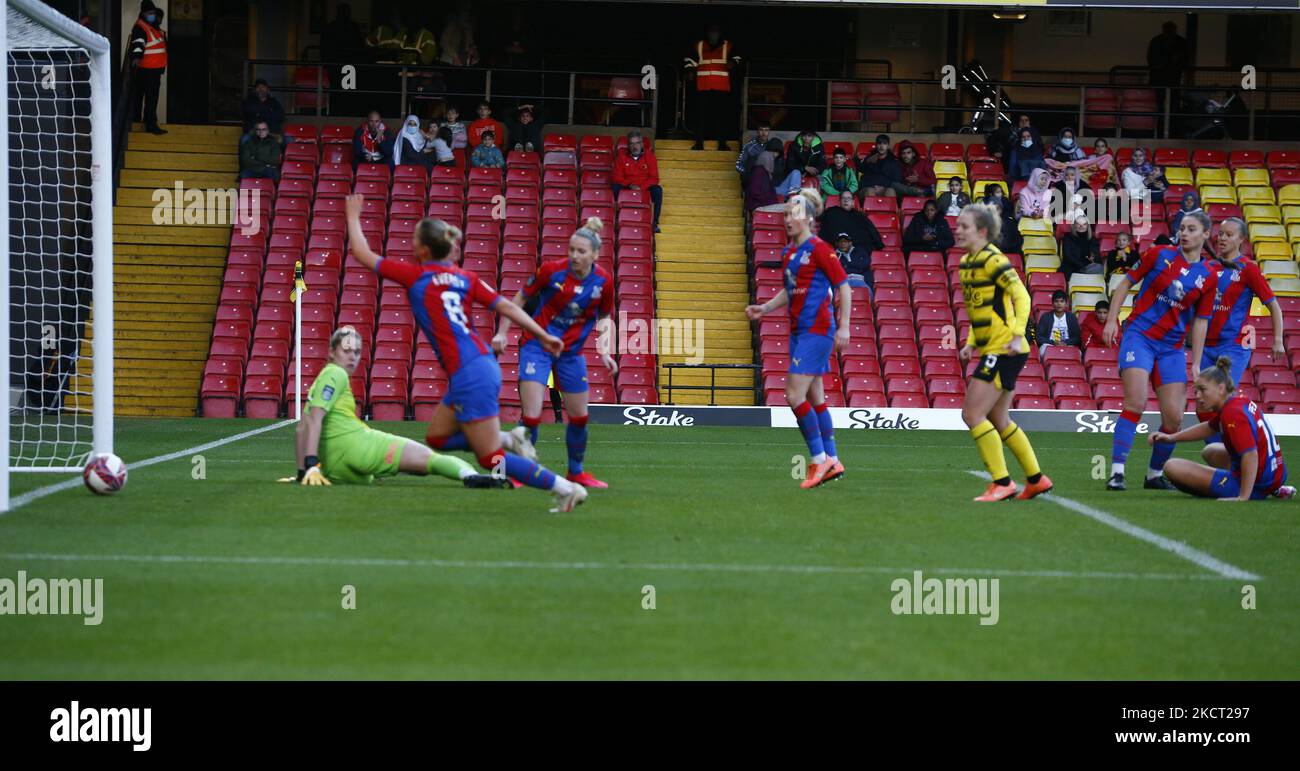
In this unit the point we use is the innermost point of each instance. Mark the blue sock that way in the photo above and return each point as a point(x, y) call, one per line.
point(531, 426)
point(1214, 438)
point(529, 473)
point(827, 426)
point(1122, 444)
point(812, 432)
point(575, 435)
point(456, 441)
point(1161, 451)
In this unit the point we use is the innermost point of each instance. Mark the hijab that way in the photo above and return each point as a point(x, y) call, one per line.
point(411, 134)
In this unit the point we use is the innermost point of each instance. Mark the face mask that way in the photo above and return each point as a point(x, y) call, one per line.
point(1067, 142)
point(151, 18)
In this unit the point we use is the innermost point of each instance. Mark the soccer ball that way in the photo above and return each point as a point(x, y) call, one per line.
point(104, 474)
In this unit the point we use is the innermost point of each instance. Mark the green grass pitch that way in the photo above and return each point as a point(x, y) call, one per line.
point(235, 576)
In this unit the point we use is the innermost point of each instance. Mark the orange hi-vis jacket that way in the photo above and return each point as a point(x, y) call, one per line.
point(712, 71)
point(155, 46)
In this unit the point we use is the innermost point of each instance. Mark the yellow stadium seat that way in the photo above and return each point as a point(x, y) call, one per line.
point(1256, 195)
point(1086, 301)
point(1212, 177)
point(1087, 282)
point(1217, 193)
point(1271, 250)
point(1126, 311)
point(1279, 269)
point(1178, 175)
point(1286, 287)
point(1114, 282)
point(978, 195)
point(1256, 308)
point(945, 169)
point(1040, 245)
point(1029, 225)
point(1250, 178)
point(1293, 232)
point(1262, 213)
point(1289, 194)
point(1291, 214)
point(1262, 233)
point(1041, 263)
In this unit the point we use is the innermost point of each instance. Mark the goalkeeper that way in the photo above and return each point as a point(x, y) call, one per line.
point(335, 446)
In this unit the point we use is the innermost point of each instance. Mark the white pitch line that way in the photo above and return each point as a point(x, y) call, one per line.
point(68, 484)
point(197, 559)
point(1193, 555)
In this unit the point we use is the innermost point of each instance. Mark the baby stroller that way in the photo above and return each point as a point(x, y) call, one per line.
point(987, 117)
point(1220, 106)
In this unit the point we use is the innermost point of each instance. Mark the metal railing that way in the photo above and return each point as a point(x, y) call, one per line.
point(122, 118)
point(713, 386)
point(560, 93)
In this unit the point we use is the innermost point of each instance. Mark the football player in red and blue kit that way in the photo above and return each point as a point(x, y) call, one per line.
point(1176, 285)
point(574, 296)
point(813, 278)
point(441, 294)
point(1248, 464)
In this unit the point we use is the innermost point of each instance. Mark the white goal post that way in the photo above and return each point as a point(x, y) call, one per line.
point(57, 235)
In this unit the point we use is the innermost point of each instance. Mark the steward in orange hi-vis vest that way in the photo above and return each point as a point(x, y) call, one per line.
point(148, 52)
point(712, 59)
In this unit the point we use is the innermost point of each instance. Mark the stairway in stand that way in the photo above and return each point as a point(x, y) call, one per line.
point(166, 277)
point(701, 272)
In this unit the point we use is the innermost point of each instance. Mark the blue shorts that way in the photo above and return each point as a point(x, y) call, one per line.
point(811, 354)
point(474, 392)
point(535, 366)
point(1239, 354)
point(1225, 485)
point(1165, 363)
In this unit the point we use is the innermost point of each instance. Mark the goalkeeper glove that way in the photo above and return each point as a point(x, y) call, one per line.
point(312, 475)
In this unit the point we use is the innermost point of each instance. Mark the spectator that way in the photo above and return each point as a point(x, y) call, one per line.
point(880, 170)
point(1138, 176)
point(752, 150)
point(712, 60)
point(484, 124)
point(993, 194)
point(1157, 184)
point(806, 154)
point(452, 122)
point(1102, 167)
point(1091, 329)
point(954, 200)
point(847, 218)
point(635, 168)
point(487, 155)
point(259, 157)
point(927, 232)
point(762, 191)
point(1074, 194)
point(1036, 196)
point(1191, 202)
point(1167, 56)
point(1123, 258)
point(1066, 149)
point(439, 143)
point(1009, 241)
point(371, 142)
point(855, 261)
point(918, 173)
point(1080, 251)
point(526, 131)
point(839, 176)
point(148, 52)
point(1026, 156)
point(409, 147)
point(1060, 327)
point(260, 106)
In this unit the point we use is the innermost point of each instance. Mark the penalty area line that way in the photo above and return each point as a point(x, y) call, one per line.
point(1189, 553)
point(68, 484)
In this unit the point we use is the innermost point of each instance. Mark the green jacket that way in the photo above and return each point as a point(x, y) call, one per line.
point(256, 154)
point(847, 180)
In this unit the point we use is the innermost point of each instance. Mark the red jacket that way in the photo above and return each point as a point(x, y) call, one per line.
point(1090, 333)
point(642, 172)
point(477, 128)
point(921, 167)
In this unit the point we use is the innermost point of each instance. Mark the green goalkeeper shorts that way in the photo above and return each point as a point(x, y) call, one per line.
point(360, 457)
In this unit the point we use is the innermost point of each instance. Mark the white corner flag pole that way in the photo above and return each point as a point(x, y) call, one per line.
point(299, 286)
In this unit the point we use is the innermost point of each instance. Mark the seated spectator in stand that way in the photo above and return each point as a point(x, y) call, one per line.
point(761, 192)
point(487, 155)
point(438, 145)
point(847, 218)
point(452, 122)
point(409, 148)
point(918, 172)
point(1026, 156)
point(1090, 331)
point(839, 176)
point(751, 151)
point(992, 194)
point(635, 168)
point(1060, 327)
point(855, 261)
point(1191, 202)
point(1102, 168)
point(1010, 241)
point(1157, 184)
point(880, 170)
point(954, 200)
point(259, 157)
point(1036, 196)
point(525, 131)
point(806, 154)
point(261, 106)
point(1066, 148)
point(1080, 251)
point(1123, 258)
point(371, 142)
point(1140, 177)
point(484, 124)
point(1073, 193)
point(927, 232)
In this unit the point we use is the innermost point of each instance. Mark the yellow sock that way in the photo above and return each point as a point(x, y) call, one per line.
point(990, 447)
point(1018, 442)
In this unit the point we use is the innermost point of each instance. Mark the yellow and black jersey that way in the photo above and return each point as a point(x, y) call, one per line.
point(996, 301)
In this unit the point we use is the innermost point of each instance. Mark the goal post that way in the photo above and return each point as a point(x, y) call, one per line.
point(58, 239)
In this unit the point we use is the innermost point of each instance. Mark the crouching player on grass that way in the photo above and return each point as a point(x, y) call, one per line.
point(335, 446)
point(1247, 465)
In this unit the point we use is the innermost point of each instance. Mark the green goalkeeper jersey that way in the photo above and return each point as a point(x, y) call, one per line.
point(332, 392)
